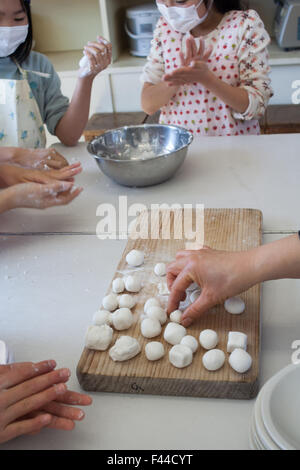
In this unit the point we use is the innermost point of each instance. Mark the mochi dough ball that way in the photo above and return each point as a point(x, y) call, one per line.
point(133, 283)
point(160, 269)
point(174, 333)
point(150, 327)
point(102, 317)
point(122, 319)
point(240, 360)
point(190, 342)
point(176, 316)
point(154, 350)
point(125, 348)
point(98, 337)
point(110, 302)
point(158, 313)
point(153, 301)
point(234, 305)
point(126, 301)
point(180, 356)
point(213, 359)
point(208, 339)
point(118, 285)
point(135, 258)
point(236, 340)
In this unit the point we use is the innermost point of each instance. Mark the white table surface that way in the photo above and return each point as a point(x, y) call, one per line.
point(248, 172)
point(51, 284)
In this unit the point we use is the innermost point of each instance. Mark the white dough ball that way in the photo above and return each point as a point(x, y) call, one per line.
point(174, 333)
point(126, 301)
point(98, 337)
point(154, 350)
point(118, 285)
point(157, 312)
point(180, 356)
point(160, 269)
point(102, 317)
point(133, 283)
point(125, 348)
point(122, 319)
point(194, 295)
point(213, 359)
point(153, 301)
point(234, 305)
point(240, 360)
point(135, 258)
point(110, 302)
point(150, 327)
point(190, 342)
point(208, 339)
point(176, 316)
point(236, 340)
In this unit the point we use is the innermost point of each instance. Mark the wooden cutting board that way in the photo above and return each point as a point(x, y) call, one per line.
point(225, 229)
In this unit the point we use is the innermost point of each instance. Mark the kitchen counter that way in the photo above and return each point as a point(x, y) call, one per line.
point(54, 272)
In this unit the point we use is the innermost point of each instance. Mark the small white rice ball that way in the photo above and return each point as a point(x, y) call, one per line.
point(135, 258)
point(180, 356)
point(176, 316)
point(122, 319)
point(102, 317)
point(126, 301)
point(133, 283)
point(240, 360)
point(160, 269)
point(174, 333)
point(208, 339)
point(190, 342)
point(98, 337)
point(213, 359)
point(118, 285)
point(154, 350)
point(234, 305)
point(150, 327)
point(153, 301)
point(110, 302)
point(157, 312)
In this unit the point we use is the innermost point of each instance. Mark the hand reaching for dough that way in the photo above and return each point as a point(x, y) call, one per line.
point(13, 174)
point(33, 396)
point(220, 275)
point(39, 159)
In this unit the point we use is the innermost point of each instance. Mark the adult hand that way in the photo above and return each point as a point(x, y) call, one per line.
point(219, 274)
point(29, 394)
point(193, 67)
point(39, 159)
point(12, 174)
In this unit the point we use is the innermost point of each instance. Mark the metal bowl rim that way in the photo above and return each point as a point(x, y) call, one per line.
point(98, 157)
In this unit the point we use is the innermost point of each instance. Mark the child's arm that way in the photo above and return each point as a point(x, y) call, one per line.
point(71, 126)
point(223, 274)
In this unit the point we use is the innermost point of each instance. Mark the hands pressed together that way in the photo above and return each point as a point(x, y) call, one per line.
point(193, 65)
point(35, 396)
point(37, 179)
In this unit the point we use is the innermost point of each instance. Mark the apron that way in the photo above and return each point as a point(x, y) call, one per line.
point(21, 124)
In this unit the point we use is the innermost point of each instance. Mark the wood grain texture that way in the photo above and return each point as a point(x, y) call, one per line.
point(225, 229)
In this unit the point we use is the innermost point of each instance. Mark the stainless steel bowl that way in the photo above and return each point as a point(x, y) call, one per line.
point(141, 155)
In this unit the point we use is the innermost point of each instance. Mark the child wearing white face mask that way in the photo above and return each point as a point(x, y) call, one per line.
point(30, 89)
point(208, 67)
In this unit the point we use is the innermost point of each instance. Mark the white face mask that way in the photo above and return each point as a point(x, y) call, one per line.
point(11, 37)
point(183, 19)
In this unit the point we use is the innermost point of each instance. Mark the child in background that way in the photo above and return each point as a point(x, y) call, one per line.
point(208, 67)
point(30, 93)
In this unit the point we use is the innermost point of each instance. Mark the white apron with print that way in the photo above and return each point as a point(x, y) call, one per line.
point(21, 124)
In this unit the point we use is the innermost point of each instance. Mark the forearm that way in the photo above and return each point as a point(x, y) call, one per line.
point(277, 260)
point(154, 97)
point(235, 97)
point(72, 124)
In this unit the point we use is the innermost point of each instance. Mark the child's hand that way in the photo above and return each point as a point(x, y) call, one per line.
point(40, 196)
point(193, 66)
point(220, 275)
point(30, 397)
point(13, 174)
point(99, 54)
point(38, 158)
